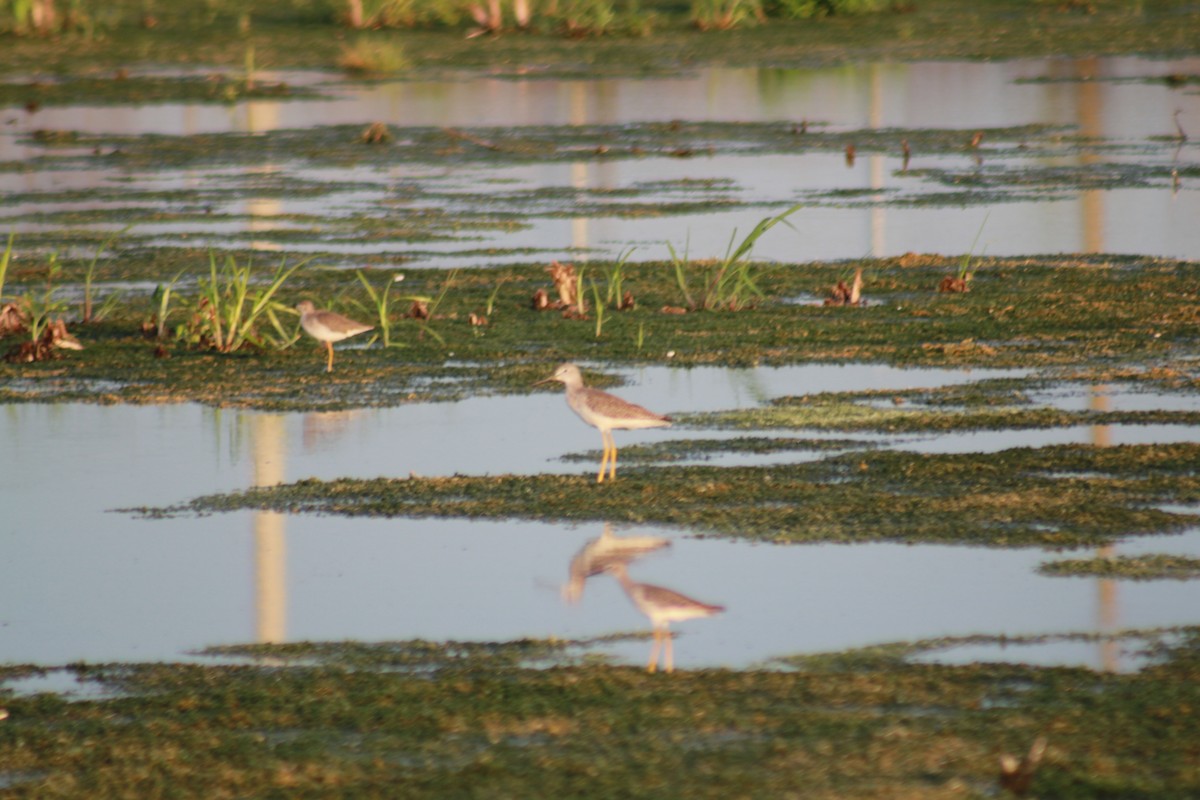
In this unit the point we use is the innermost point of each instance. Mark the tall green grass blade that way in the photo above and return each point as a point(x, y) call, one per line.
point(680, 265)
point(964, 264)
point(8, 250)
point(426, 329)
point(91, 270)
point(599, 308)
point(164, 303)
point(437, 301)
point(737, 277)
point(212, 293)
point(287, 338)
point(616, 279)
point(491, 301)
point(381, 301)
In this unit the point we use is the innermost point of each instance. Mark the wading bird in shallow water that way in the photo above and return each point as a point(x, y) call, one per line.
point(328, 327)
point(604, 412)
point(662, 606)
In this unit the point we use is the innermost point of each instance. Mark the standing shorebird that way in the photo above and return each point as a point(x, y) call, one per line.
point(601, 553)
point(605, 412)
point(328, 327)
point(663, 606)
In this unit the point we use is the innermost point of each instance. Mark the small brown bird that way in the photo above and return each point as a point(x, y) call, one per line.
point(328, 327)
point(604, 412)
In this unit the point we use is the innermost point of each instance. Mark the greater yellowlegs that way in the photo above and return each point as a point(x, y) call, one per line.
point(605, 412)
point(328, 327)
point(601, 553)
point(663, 606)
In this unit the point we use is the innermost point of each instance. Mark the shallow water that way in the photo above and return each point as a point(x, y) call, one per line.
point(85, 582)
point(1147, 221)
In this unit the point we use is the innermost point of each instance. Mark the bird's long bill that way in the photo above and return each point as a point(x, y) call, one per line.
point(543, 380)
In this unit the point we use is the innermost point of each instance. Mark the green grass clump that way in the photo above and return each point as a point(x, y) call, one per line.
point(730, 283)
point(374, 57)
point(229, 313)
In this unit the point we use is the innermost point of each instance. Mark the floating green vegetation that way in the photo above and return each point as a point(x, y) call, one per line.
point(704, 449)
point(443, 720)
point(1138, 568)
point(1061, 496)
point(341, 145)
point(420, 655)
point(1038, 181)
point(993, 404)
point(1149, 644)
point(431, 206)
point(145, 90)
point(819, 413)
point(1173, 80)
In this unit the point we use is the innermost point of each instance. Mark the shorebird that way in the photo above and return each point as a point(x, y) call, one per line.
point(328, 327)
point(605, 412)
point(601, 553)
point(663, 606)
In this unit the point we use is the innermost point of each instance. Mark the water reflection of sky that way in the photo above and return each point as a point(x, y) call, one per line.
point(84, 582)
point(1147, 221)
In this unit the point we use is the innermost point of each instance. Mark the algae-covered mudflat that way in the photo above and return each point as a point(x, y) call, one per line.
point(528, 719)
point(917, 284)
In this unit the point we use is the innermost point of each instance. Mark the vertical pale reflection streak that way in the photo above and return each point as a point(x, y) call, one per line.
point(1090, 120)
point(266, 117)
point(579, 169)
point(270, 554)
point(1090, 117)
point(269, 445)
point(1107, 612)
point(875, 161)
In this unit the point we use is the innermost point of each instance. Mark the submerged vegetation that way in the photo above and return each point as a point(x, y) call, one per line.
point(1138, 568)
point(163, 317)
point(1053, 496)
point(425, 720)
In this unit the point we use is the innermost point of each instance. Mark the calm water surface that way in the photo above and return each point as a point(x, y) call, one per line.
point(1111, 105)
point(86, 582)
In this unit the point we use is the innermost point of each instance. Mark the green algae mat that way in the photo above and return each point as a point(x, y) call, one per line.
point(535, 719)
point(550, 718)
point(1052, 497)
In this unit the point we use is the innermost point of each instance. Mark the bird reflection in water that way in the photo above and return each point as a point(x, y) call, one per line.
point(600, 553)
point(612, 554)
point(321, 430)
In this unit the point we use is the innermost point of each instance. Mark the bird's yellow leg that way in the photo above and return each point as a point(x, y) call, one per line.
point(653, 664)
point(329, 364)
point(612, 459)
point(603, 460)
point(668, 655)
